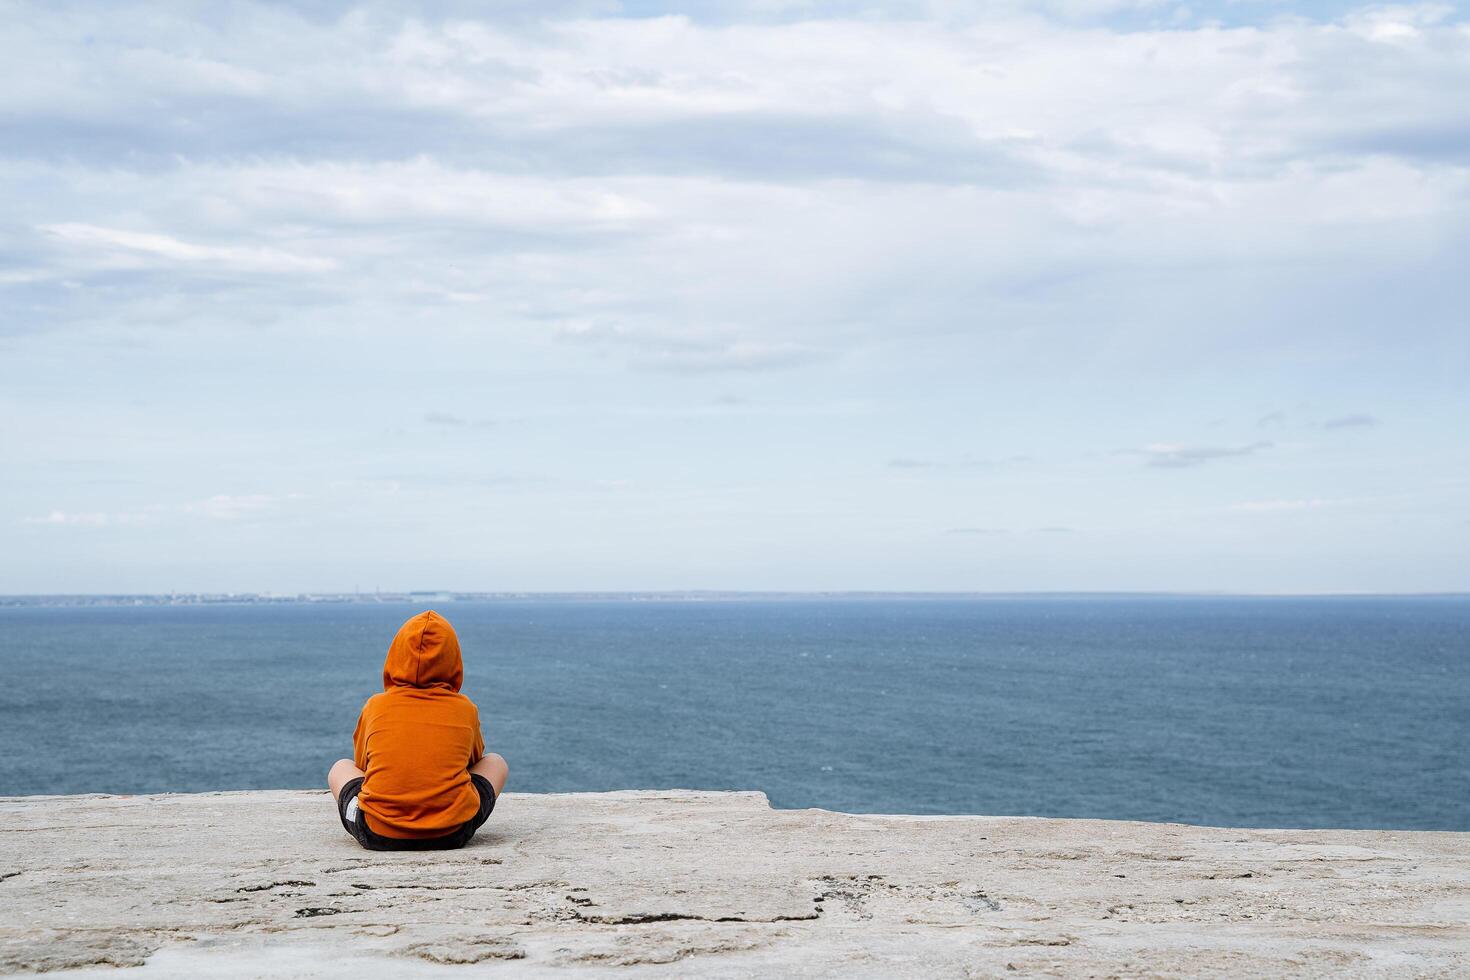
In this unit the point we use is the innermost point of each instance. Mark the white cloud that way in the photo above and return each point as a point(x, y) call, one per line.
point(447, 420)
point(421, 189)
point(736, 356)
point(89, 519)
point(820, 184)
point(1396, 24)
point(92, 519)
point(689, 348)
point(960, 463)
point(125, 248)
point(1274, 506)
point(1178, 456)
point(233, 507)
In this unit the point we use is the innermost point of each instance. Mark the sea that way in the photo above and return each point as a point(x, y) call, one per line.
point(1346, 712)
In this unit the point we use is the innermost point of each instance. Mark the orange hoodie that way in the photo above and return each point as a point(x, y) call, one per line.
point(417, 740)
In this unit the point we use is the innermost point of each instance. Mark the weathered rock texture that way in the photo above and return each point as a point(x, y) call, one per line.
point(711, 884)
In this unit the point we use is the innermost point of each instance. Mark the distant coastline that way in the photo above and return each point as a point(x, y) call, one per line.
point(431, 596)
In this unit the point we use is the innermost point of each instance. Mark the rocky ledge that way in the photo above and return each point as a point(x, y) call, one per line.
point(711, 884)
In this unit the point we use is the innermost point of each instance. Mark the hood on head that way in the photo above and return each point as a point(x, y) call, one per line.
point(425, 653)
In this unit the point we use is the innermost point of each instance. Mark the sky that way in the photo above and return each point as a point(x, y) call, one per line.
point(1088, 295)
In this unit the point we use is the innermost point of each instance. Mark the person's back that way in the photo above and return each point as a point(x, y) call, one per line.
point(419, 777)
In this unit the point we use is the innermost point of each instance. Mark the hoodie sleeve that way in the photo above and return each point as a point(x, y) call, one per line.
point(359, 741)
point(477, 751)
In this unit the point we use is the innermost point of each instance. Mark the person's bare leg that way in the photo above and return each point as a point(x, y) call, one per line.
point(340, 774)
point(493, 768)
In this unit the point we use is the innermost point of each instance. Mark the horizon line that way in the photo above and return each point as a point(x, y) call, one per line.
point(452, 595)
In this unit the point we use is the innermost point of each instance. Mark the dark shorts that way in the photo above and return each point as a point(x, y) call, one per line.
point(358, 827)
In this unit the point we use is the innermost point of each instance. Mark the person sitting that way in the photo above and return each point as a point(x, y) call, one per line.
point(419, 778)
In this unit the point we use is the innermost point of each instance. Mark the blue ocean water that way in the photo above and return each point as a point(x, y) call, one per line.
point(1330, 712)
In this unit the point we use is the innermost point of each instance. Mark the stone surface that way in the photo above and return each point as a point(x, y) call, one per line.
point(711, 884)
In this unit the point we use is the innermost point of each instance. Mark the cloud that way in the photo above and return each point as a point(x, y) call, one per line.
point(1049, 529)
point(456, 422)
point(133, 249)
point(692, 350)
point(963, 462)
point(220, 507)
point(688, 348)
point(1271, 418)
point(821, 176)
point(61, 517)
point(1274, 506)
point(234, 507)
point(64, 518)
point(736, 356)
point(1357, 421)
point(1174, 456)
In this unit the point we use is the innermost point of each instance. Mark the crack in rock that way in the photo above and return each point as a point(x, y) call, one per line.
point(74, 827)
point(433, 888)
point(638, 918)
point(360, 866)
point(277, 884)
